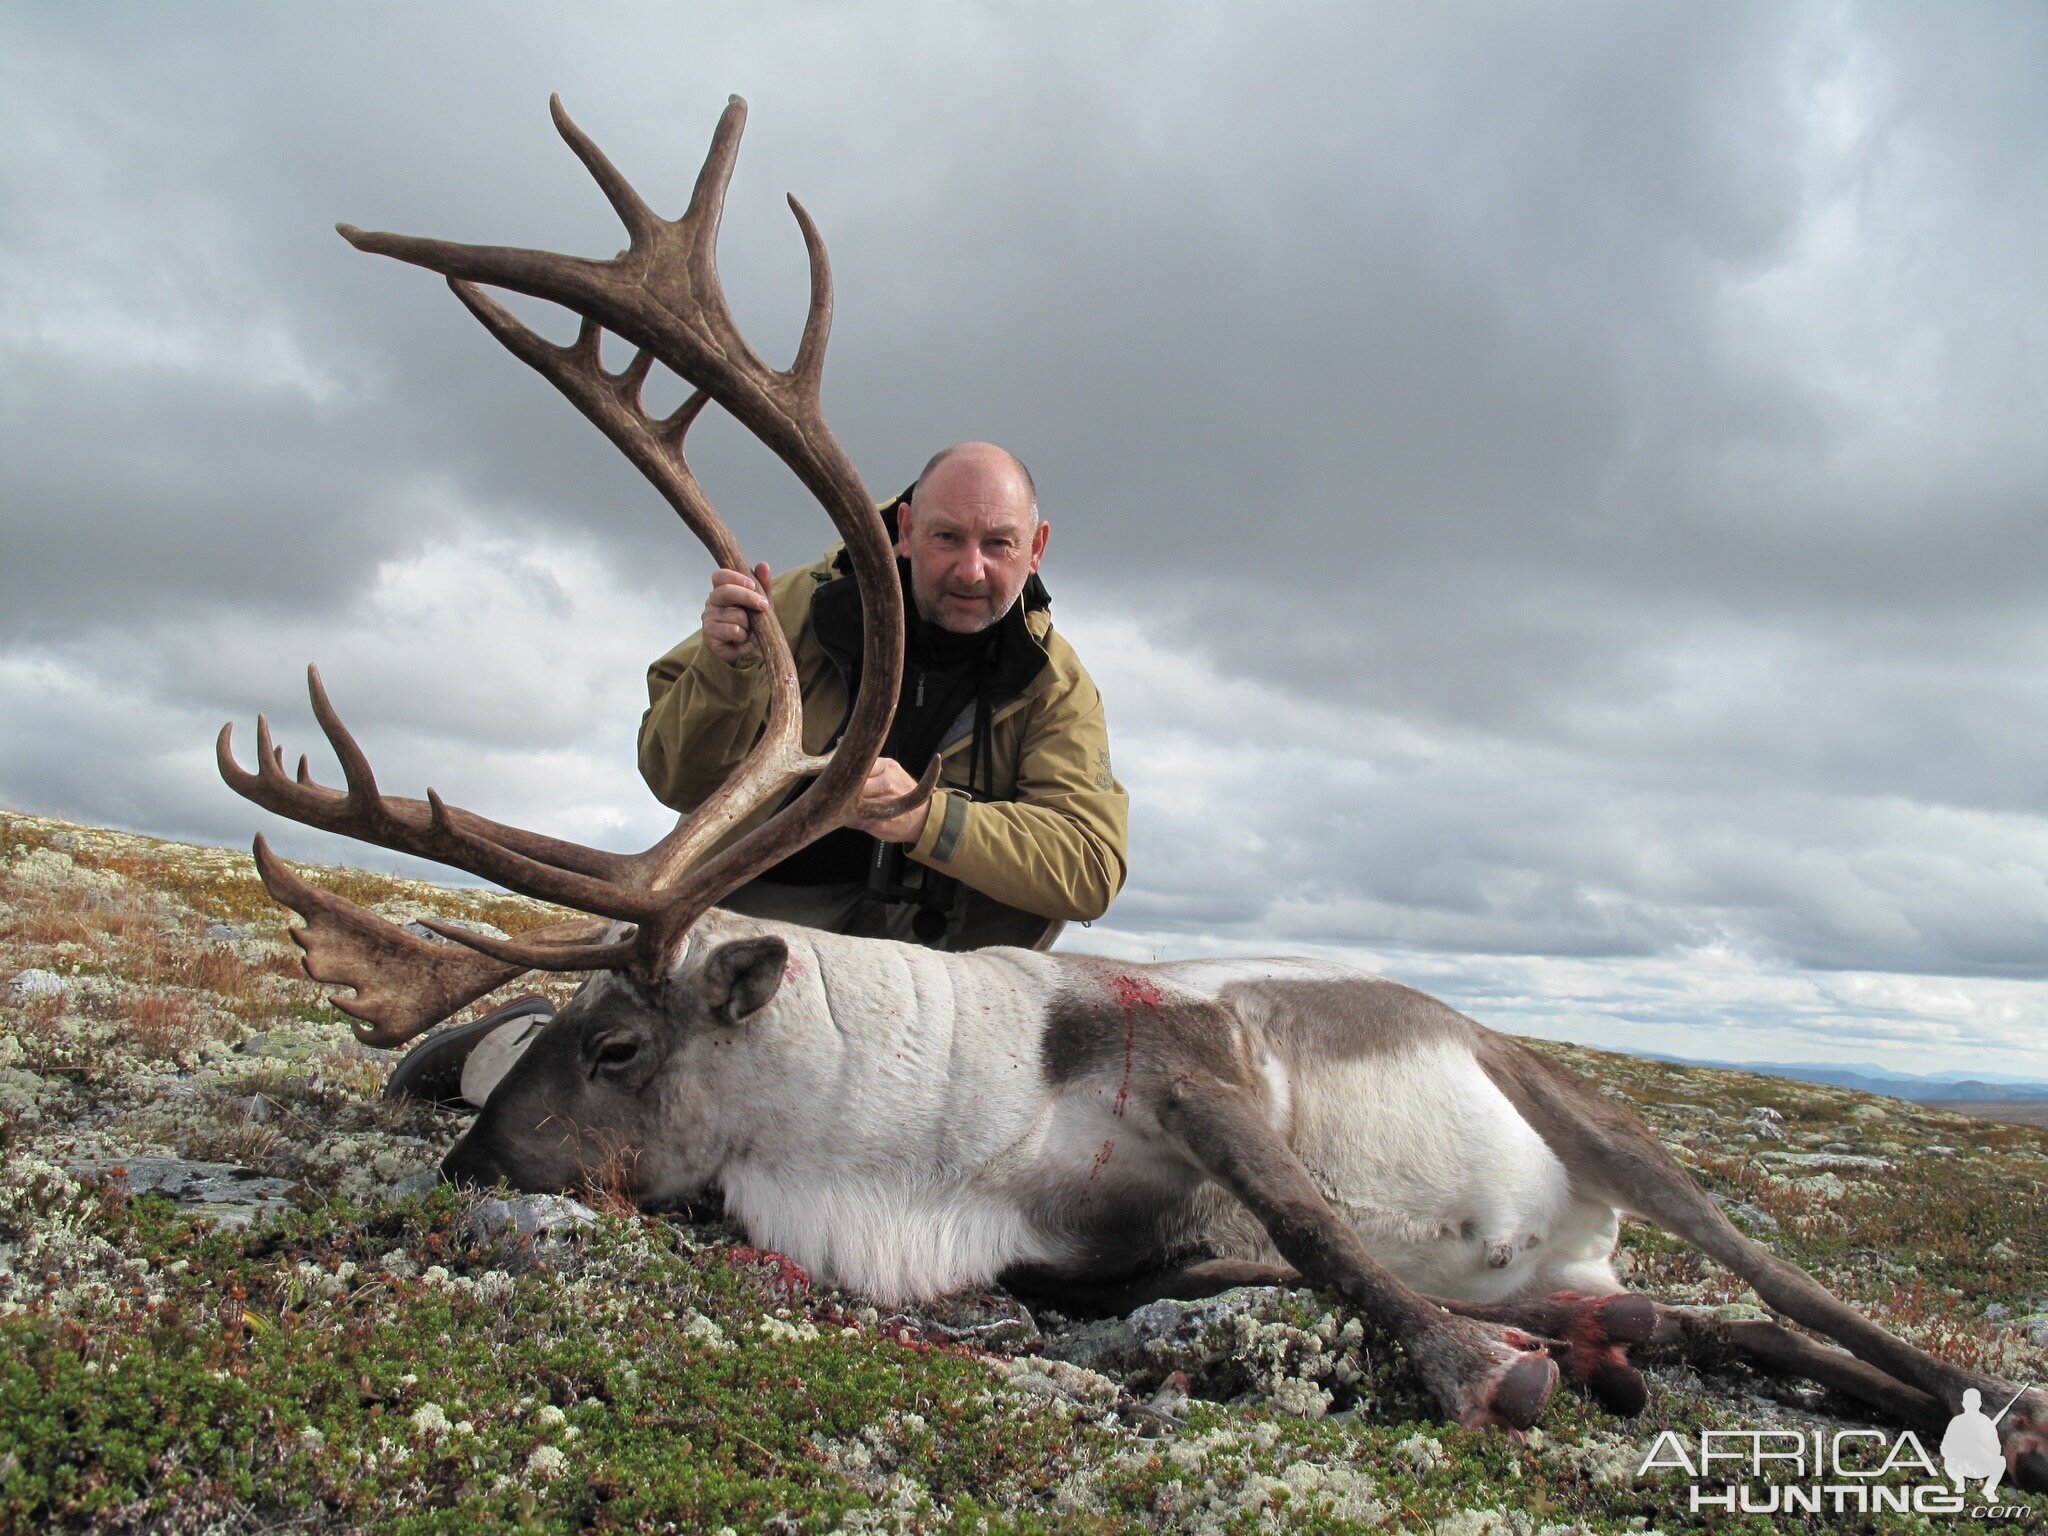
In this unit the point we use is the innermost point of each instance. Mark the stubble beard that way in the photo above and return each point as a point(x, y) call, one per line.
point(934, 609)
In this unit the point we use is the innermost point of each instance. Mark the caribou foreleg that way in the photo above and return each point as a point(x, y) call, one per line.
point(1480, 1373)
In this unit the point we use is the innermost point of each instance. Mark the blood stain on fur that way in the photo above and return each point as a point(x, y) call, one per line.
point(1102, 1157)
point(1132, 993)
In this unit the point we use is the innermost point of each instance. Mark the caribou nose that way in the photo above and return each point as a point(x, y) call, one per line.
point(468, 1166)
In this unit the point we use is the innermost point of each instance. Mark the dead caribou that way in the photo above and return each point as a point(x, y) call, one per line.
point(906, 1122)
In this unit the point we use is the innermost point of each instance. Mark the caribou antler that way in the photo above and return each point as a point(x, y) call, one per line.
point(663, 295)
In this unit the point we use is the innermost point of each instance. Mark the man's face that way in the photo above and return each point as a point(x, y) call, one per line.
point(972, 539)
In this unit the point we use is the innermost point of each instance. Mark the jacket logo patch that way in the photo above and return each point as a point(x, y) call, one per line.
point(1104, 779)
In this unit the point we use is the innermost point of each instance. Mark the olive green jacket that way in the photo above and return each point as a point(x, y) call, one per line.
point(1053, 839)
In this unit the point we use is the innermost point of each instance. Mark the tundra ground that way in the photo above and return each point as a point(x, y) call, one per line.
point(302, 1346)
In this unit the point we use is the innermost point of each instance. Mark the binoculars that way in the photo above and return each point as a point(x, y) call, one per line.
point(932, 893)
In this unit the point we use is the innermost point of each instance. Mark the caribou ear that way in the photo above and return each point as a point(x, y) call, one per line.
point(740, 977)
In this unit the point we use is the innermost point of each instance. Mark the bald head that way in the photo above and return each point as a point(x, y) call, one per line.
point(981, 469)
point(972, 534)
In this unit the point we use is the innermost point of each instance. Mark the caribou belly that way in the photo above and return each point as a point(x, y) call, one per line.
point(1445, 1182)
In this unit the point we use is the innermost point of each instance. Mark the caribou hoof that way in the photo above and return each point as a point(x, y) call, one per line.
point(1519, 1393)
point(1589, 1336)
point(1500, 1378)
point(2025, 1437)
point(1597, 1337)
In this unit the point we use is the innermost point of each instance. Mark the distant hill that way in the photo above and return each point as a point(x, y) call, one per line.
point(1918, 1087)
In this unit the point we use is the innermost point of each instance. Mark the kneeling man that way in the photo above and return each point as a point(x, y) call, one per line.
point(1028, 828)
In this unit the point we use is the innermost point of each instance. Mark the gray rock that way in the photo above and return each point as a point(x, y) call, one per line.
point(224, 933)
point(1765, 1124)
point(416, 1183)
point(1163, 1337)
point(531, 1216)
point(980, 1319)
point(1826, 1160)
point(230, 1195)
point(1184, 1322)
point(64, 842)
point(34, 983)
point(1748, 1213)
point(1106, 1344)
point(1997, 1311)
point(1825, 1185)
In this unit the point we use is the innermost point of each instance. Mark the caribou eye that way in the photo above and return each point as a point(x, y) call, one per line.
point(617, 1051)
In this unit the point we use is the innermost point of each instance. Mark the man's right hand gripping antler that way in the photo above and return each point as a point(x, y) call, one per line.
point(729, 613)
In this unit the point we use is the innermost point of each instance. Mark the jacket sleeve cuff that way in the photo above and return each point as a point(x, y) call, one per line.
point(724, 680)
point(943, 825)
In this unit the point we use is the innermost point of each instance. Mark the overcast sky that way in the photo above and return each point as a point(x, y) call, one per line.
point(1555, 497)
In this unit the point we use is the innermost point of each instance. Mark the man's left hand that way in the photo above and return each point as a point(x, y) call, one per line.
point(887, 780)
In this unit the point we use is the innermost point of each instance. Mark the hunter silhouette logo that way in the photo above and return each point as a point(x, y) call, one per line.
point(1844, 1471)
point(1969, 1450)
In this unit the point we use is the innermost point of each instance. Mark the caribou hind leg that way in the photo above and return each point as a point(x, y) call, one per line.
point(1479, 1373)
point(1706, 1340)
point(1592, 1338)
point(1614, 1156)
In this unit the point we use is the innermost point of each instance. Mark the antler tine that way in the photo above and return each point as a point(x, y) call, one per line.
point(494, 860)
point(396, 822)
point(540, 955)
point(707, 193)
point(403, 984)
point(543, 274)
point(639, 219)
point(676, 424)
point(707, 196)
point(808, 369)
point(578, 372)
point(631, 379)
point(364, 800)
point(267, 752)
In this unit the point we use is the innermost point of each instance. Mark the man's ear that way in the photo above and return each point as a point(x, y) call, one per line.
point(740, 977)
